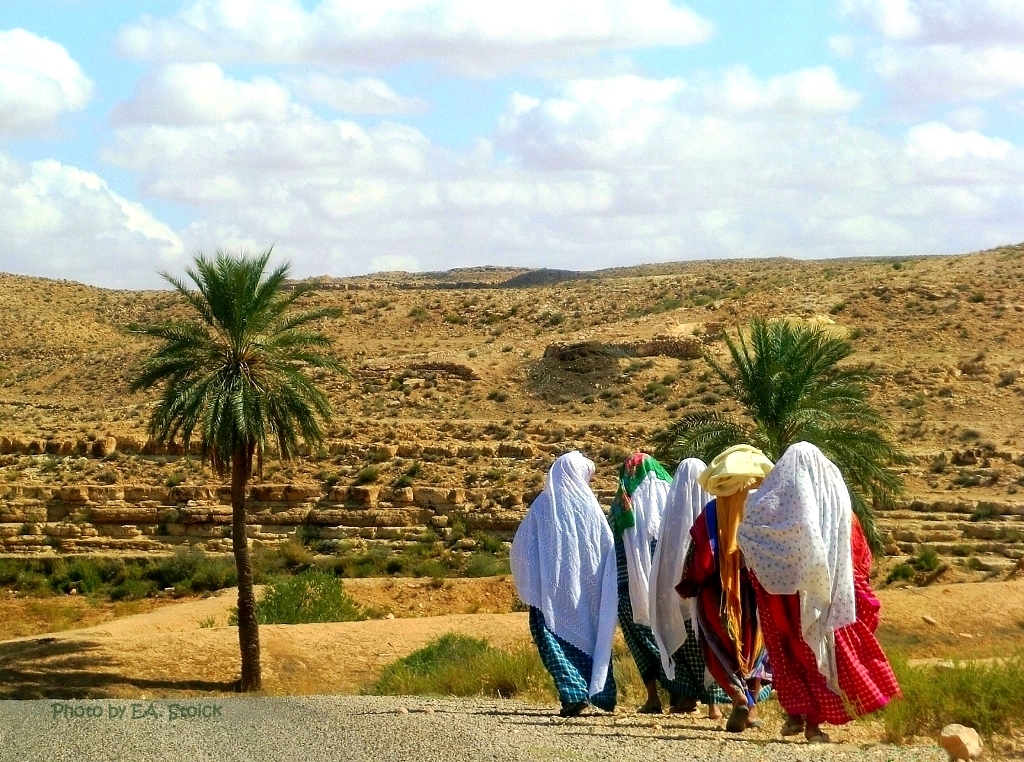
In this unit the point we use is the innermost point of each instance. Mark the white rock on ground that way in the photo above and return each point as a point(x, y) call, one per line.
point(961, 743)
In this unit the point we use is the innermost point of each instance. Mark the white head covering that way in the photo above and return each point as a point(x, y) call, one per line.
point(563, 563)
point(669, 612)
point(795, 536)
point(647, 502)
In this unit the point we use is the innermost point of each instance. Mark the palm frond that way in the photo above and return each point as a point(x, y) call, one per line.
point(237, 376)
point(793, 384)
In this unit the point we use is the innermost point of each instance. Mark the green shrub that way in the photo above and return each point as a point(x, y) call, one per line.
point(214, 574)
point(81, 574)
point(190, 570)
point(458, 665)
point(312, 596)
point(484, 564)
point(368, 475)
point(927, 560)
point(900, 573)
point(986, 696)
point(132, 590)
point(983, 512)
point(32, 583)
point(296, 555)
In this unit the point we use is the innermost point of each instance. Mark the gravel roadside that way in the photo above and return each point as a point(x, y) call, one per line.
point(384, 729)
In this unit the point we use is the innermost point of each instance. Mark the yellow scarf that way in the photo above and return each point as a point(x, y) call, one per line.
point(730, 562)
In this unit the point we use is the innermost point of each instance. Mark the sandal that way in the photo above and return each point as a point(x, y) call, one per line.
point(819, 737)
point(739, 719)
point(573, 710)
point(683, 706)
point(793, 726)
point(650, 709)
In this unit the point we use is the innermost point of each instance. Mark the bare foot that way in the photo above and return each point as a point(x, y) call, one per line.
point(714, 712)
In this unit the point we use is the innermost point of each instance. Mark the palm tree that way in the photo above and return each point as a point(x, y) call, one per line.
point(791, 387)
point(236, 380)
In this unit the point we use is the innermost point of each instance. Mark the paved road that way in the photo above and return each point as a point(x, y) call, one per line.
point(372, 729)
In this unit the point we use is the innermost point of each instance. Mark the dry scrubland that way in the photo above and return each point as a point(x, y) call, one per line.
point(451, 409)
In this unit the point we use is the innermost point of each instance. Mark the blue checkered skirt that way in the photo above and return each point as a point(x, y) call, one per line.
point(688, 680)
point(569, 667)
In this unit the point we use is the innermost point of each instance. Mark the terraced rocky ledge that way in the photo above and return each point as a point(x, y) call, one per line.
point(114, 518)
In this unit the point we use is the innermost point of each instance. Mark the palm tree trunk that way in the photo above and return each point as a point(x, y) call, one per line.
point(248, 627)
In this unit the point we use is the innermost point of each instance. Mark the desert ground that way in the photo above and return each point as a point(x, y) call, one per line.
point(172, 653)
point(188, 649)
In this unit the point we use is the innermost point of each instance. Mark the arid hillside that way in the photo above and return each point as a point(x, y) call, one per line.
point(472, 379)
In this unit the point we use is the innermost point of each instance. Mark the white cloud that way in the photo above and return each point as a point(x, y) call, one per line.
point(936, 141)
point(38, 81)
point(842, 45)
point(364, 95)
point(470, 36)
point(951, 72)
point(196, 94)
point(945, 50)
point(62, 222)
point(970, 22)
point(809, 90)
point(599, 173)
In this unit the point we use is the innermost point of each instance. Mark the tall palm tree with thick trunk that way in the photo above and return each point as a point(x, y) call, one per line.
point(236, 379)
point(791, 387)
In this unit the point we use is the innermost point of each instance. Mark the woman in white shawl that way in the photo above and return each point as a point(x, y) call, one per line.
point(636, 519)
point(563, 564)
point(672, 618)
point(810, 562)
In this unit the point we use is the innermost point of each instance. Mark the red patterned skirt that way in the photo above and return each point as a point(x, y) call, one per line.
point(865, 676)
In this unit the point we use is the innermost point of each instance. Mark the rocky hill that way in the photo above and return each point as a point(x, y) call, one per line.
point(473, 380)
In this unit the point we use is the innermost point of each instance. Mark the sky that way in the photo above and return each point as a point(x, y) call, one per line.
point(356, 136)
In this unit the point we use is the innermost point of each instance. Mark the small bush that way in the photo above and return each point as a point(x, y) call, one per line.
point(312, 596)
point(927, 560)
point(1007, 377)
point(977, 297)
point(295, 555)
point(900, 573)
point(82, 574)
point(132, 590)
point(32, 583)
point(458, 665)
point(368, 475)
point(484, 564)
point(983, 512)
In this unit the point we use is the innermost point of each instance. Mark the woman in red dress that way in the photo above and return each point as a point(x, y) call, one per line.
point(810, 564)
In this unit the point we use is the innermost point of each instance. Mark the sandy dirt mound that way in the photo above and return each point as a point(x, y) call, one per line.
point(973, 620)
point(166, 652)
